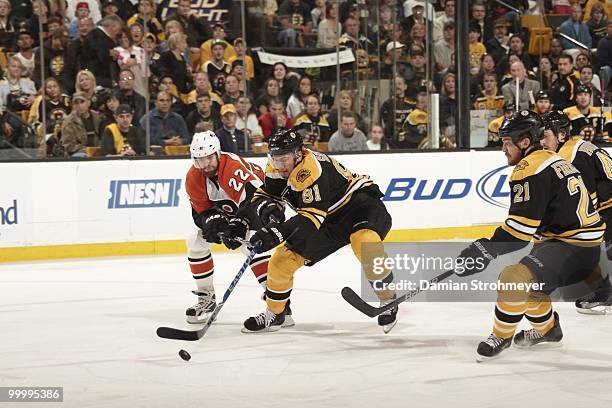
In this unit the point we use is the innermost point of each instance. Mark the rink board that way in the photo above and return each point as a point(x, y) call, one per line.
point(136, 207)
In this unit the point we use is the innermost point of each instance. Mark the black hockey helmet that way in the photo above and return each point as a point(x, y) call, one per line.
point(284, 141)
point(524, 123)
point(556, 121)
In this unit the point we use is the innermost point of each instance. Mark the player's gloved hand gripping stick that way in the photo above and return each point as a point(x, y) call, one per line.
point(194, 335)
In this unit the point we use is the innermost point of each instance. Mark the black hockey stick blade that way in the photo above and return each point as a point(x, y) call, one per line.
point(189, 335)
point(358, 303)
point(371, 311)
point(177, 334)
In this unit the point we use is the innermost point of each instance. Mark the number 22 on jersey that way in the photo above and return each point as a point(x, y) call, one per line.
point(237, 185)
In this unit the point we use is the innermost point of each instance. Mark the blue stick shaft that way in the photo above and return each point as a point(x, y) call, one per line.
point(245, 265)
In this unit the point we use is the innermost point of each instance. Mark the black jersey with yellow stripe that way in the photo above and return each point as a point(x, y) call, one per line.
point(318, 188)
point(595, 166)
point(587, 124)
point(549, 201)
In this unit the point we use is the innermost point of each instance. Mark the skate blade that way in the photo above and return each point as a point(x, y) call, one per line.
point(484, 359)
point(597, 310)
point(289, 322)
point(388, 327)
point(545, 345)
point(201, 319)
point(270, 329)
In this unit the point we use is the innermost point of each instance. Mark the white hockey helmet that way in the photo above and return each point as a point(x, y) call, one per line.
point(204, 144)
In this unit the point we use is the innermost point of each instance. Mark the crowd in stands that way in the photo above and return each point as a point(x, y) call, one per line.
point(102, 74)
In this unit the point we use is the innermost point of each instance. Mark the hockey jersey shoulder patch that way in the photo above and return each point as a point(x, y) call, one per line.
point(534, 164)
point(569, 148)
point(306, 173)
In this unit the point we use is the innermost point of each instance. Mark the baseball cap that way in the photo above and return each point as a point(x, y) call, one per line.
point(124, 108)
point(82, 4)
point(79, 96)
point(25, 31)
point(228, 108)
point(394, 45)
point(582, 89)
point(218, 42)
point(110, 3)
point(541, 95)
point(500, 23)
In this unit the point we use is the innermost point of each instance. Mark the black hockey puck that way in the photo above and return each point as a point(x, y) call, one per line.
point(184, 355)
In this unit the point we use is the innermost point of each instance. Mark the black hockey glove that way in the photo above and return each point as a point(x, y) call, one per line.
point(269, 210)
point(235, 233)
point(269, 237)
point(474, 259)
point(213, 223)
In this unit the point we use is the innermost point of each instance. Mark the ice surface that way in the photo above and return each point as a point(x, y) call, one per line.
point(89, 326)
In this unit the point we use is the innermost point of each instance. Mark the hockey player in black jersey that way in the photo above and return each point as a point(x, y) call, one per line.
point(549, 202)
point(334, 206)
point(595, 166)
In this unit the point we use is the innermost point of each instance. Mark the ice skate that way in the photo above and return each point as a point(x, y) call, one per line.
point(598, 302)
point(529, 338)
point(388, 319)
point(491, 348)
point(199, 312)
point(264, 322)
point(289, 322)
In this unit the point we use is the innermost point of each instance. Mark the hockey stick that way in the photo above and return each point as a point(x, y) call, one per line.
point(358, 303)
point(194, 335)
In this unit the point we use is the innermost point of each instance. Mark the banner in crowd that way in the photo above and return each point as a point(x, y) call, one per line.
point(307, 61)
point(212, 10)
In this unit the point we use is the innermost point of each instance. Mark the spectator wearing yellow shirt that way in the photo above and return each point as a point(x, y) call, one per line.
point(607, 5)
point(218, 35)
point(146, 12)
point(488, 98)
point(477, 49)
point(240, 49)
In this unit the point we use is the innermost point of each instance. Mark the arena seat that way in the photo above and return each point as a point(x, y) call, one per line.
point(182, 150)
point(259, 148)
point(532, 21)
point(93, 151)
point(539, 40)
point(321, 146)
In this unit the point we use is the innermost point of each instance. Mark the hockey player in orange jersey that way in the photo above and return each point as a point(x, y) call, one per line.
point(218, 184)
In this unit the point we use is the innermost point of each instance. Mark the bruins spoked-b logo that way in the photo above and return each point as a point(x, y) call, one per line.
point(302, 175)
